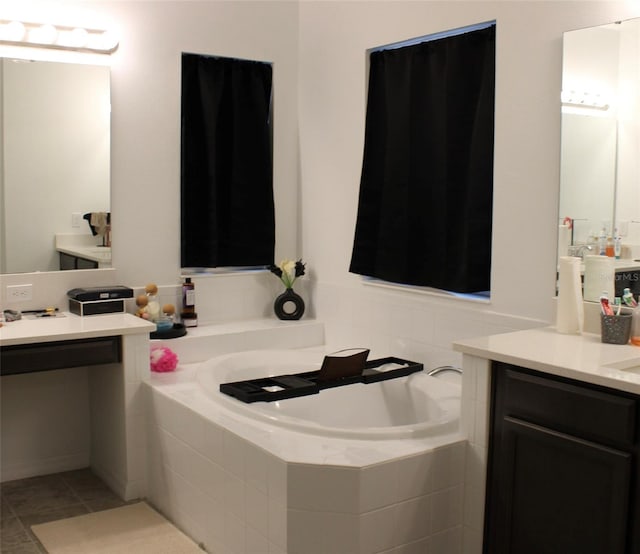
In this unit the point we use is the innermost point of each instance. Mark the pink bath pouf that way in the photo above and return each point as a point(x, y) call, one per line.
point(163, 359)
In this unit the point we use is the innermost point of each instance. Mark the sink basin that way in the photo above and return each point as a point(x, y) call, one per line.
point(104, 253)
point(629, 366)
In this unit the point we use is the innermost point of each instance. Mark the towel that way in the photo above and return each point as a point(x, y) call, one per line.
point(570, 310)
point(99, 222)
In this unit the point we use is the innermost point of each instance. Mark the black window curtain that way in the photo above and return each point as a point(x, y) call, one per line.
point(426, 190)
point(227, 207)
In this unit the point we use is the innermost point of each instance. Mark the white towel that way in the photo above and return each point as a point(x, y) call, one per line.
point(564, 240)
point(570, 311)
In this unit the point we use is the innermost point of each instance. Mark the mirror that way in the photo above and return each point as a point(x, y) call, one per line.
point(600, 169)
point(54, 164)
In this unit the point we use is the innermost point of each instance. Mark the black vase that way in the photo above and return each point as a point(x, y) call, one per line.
point(289, 305)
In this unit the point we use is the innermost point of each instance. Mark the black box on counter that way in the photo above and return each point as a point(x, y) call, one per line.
point(98, 300)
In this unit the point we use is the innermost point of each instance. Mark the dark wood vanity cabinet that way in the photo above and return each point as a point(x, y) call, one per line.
point(67, 261)
point(563, 468)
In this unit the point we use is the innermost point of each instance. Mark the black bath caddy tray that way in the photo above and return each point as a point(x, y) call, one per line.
point(270, 389)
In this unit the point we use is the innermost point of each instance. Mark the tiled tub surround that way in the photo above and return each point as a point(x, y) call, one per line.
point(238, 485)
point(581, 357)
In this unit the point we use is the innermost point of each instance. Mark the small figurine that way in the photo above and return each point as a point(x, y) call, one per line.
point(149, 307)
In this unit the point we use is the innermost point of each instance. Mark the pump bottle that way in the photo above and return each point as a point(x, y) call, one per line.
point(188, 314)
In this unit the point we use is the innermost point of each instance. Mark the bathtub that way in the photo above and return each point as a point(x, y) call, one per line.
point(414, 406)
point(358, 469)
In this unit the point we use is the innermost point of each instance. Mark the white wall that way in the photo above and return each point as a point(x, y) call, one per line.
point(146, 110)
point(146, 119)
point(325, 43)
point(334, 38)
point(45, 423)
point(318, 49)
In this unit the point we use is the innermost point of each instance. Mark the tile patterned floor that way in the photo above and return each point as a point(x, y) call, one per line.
point(25, 502)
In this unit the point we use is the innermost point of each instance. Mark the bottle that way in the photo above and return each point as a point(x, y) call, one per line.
point(635, 326)
point(610, 251)
point(628, 299)
point(602, 243)
point(617, 245)
point(188, 314)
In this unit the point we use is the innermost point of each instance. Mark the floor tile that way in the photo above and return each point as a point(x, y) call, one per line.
point(5, 509)
point(13, 533)
point(27, 502)
point(38, 494)
point(91, 489)
point(25, 548)
point(100, 504)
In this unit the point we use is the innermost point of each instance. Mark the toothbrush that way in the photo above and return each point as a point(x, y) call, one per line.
point(605, 306)
point(618, 303)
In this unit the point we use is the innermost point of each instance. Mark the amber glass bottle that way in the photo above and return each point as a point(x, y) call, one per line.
point(188, 314)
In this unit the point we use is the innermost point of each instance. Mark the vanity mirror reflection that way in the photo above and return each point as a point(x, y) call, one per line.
point(600, 145)
point(54, 164)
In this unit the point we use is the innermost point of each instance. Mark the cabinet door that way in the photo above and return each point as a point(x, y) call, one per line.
point(551, 493)
point(67, 262)
point(82, 263)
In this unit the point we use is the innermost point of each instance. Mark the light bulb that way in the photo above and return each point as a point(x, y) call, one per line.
point(78, 37)
point(106, 41)
point(13, 31)
point(75, 38)
point(45, 34)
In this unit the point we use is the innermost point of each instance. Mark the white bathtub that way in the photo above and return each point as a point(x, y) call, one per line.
point(406, 407)
point(358, 469)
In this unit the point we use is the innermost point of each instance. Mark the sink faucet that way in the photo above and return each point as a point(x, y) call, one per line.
point(580, 250)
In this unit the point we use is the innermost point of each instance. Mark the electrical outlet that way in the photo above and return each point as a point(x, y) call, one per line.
point(19, 293)
point(76, 218)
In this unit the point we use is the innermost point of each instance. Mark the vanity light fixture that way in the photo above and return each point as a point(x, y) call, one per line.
point(584, 100)
point(79, 39)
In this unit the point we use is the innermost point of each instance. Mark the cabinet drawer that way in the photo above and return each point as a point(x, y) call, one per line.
point(45, 356)
point(577, 409)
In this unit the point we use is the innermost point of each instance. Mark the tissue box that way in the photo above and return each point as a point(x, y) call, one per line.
point(98, 300)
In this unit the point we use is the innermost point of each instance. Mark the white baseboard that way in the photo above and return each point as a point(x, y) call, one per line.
point(32, 468)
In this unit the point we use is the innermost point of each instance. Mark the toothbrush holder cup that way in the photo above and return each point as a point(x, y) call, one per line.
point(615, 329)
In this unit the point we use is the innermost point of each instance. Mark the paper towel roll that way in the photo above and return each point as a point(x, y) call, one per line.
point(570, 311)
point(599, 277)
point(564, 240)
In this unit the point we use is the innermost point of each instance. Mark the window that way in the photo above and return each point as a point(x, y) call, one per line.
point(226, 182)
point(426, 190)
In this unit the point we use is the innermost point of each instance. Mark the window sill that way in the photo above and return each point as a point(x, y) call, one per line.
point(214, 271)
point(481, 298)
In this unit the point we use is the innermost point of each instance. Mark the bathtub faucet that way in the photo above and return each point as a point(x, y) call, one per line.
point(443, 368)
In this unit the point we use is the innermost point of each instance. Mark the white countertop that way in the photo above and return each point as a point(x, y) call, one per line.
point(582, 357)
point(84, 246)
point(625, 265)
point(30, 330)
point(620, 265)
point(100, 254)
